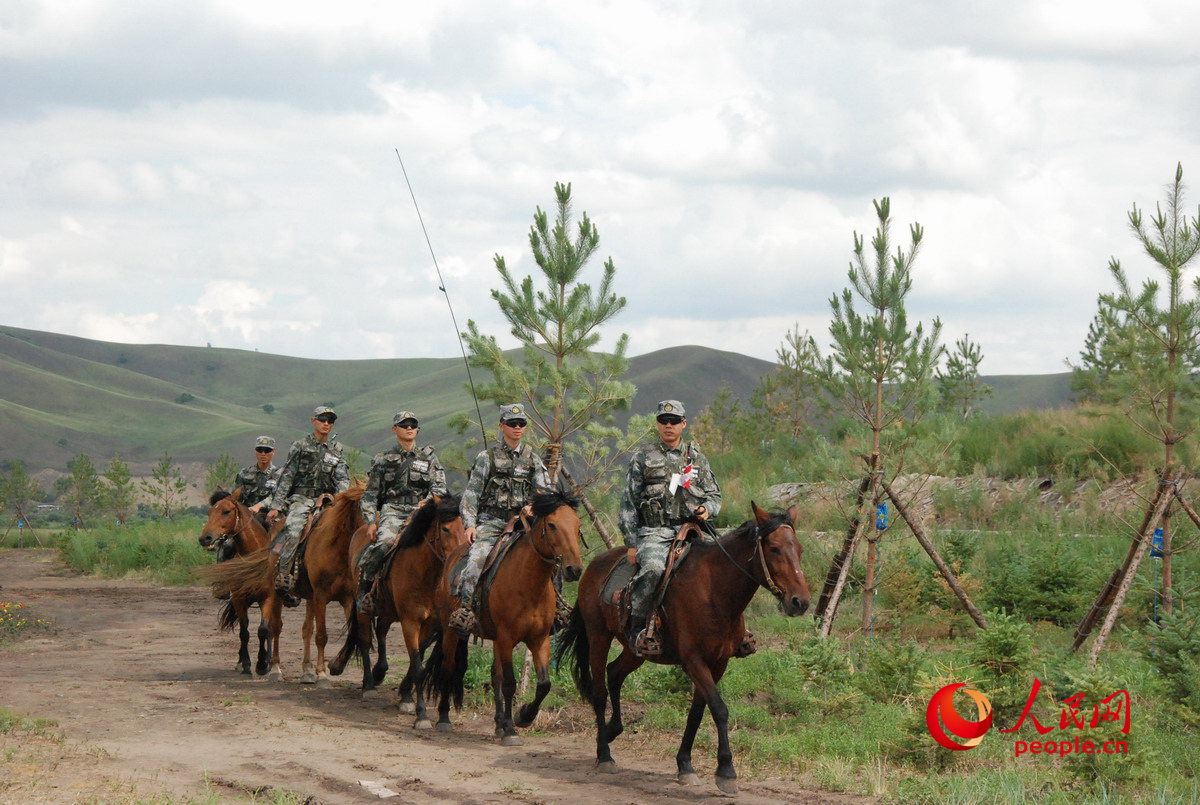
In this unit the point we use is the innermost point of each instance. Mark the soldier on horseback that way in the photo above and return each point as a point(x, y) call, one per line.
point(400, 479)
point(502, 484)
point(313, 473)
point(669, 482)
point(258, 481)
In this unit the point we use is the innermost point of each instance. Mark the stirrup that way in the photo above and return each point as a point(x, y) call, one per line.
point(647, 645)
point(749, 645)
point(289, 600)
point(368, 601)
point(463, 621)
point(562, 615)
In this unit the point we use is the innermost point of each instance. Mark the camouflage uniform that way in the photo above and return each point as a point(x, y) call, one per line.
point(258, 486)
point(312, 469)
point(650, 514)
point(399, 480)
point(502, 481)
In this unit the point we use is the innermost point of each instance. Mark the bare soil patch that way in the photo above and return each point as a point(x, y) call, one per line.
point(147, 702)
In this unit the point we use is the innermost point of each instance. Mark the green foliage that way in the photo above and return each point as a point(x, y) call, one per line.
point(117, 497)
point(959, 385)
point(1133, 766)
point(84, 491)
point(164, 550)
point(18, 490)
point(165, 486)
point(890, 670)
point(571, 390)
point(791, 397)
point(268, 408)
point(1052, 583)
point(1173, 648)
point(185, 398)
point(221, 473)
point(16, 620)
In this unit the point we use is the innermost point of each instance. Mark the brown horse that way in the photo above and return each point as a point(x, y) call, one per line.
point(231, 528)
point(519, 609)
point(327, 576)
point(434, 530)
point(702, 628)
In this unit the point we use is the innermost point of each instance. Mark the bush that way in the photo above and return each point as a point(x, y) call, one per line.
point(890, 670)
point(1173, 648)
point(1047, 585)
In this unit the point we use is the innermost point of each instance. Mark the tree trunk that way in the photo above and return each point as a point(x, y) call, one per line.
point(844, 555)
point(1143, 545)
point(843, 572)
point(1168, 597)
point(942, 567)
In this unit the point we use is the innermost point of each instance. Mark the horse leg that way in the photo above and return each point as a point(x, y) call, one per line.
point(412, 642)
point(323, 640)
point(240, 606)
point(504, 687)
point(597, 658)
point(308, 676)
point(541, 664)
point(450, 642)
point(705, 679)
point(275, 619)
point(683, 759)
point(379, 672)
point(624, 665)
point(264, 645)
point(362, 630)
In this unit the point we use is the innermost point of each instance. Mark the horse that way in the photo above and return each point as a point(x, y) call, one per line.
point(519, 608)
point(231, 528)
point(702, 629)
point(327, 576)
point(433, 531)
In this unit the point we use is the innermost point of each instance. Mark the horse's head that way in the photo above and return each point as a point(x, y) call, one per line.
point(780, 551)
point(558, 524)
point(223, 518)
point(450, 532)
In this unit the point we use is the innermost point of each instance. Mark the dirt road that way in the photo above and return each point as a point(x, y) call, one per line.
point(143, 690)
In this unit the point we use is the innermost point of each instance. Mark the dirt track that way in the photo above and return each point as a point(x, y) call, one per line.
point(142, 687)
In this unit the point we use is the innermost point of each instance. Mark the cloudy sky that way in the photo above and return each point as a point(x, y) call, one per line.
point(225, 171)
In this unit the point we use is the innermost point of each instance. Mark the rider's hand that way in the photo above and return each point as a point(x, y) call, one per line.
point(527, 510)
point(256, 508)
point(631, 555)
point(371, 529)
point(469, 533)
point(701, 512)
point(272, 515)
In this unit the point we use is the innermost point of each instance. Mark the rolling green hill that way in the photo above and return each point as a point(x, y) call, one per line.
point(61, 395)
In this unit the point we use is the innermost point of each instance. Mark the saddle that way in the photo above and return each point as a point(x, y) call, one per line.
point(491, 564)
point(297, 579)
point(616, 591)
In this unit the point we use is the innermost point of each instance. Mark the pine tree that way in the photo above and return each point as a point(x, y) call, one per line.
point(959, 385)
point(165, 486)
point(791, 396)
point(84, 490)
point(568, 389)
point(117, 498)
point(18, 490)
point(221, 473)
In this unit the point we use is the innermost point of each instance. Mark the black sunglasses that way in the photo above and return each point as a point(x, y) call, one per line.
point(516, 423)
point(670, 420)
point(408, 423)
point(327, 419)
point(264, 450)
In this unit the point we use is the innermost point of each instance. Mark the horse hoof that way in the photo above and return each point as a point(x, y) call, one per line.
point(372, 693)
point(511, 740)
point(308, 678)
point(245, 669)
point(444, 726)
point(324, 682)
point(408, 708)
point(275, 676)
point(607, 767)
point(727, 786)
point(690, 778)
point(423, 724)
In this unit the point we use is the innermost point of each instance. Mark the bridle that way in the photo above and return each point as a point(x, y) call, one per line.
point(762, 560)
point(554, 558)
point(238, 526)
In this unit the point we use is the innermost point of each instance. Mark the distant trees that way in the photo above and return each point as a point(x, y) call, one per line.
point(18, 490)
point(221, 473)
point(117, 498)
point(792, 395)
point(959, 384)
point(84, 491)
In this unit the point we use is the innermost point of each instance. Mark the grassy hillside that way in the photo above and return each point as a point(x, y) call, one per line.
point(61, 395)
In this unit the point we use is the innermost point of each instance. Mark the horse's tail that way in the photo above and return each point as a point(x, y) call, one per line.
point(228, 617)
point(434, 676)
point(251, 577)
point(350, 647)
point(573, 647)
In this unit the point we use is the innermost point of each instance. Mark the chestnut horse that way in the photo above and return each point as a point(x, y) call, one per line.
point(519, 608)
point(327, 576)
point(231, 528)
point(434, 530)
point(702, 628)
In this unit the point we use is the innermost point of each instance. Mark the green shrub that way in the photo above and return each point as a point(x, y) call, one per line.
point(1173, 648)
point(890, 670)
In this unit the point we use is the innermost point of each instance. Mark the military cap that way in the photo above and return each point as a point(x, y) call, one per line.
point(403, 415)
point(264, 441)
point(670, 407)
point(323, 409)
point(512, 411)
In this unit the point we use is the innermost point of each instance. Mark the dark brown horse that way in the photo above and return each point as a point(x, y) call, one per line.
point(232, 529)
point(702, 628)
point(327, 576)
point(434, 530)
point(519, 608)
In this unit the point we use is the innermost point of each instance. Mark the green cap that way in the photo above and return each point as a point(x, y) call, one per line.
point(323, 409)
point(512, 411)
point(264, 441)
point(670, 407)
point(403, 415)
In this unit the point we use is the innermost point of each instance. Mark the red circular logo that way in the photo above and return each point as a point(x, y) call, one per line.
point(972, 732)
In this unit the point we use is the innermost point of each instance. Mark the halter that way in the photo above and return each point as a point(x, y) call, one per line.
point(555, 559)
point(238, 525)
point(762, 559)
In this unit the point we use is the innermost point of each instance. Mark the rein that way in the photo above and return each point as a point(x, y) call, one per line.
point(238, 526)
point(554, 559)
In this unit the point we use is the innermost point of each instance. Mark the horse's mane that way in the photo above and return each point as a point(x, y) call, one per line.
point(774, 521)
point(445, 510)
point(346, 513)
point(548, 501)
point(218, 496)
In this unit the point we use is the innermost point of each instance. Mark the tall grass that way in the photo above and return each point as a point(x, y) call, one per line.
point(164, 551)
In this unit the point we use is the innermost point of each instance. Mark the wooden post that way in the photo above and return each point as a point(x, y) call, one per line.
point(1143, 545)
point(846, 553)
point(843, 569)
point(942, 567)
